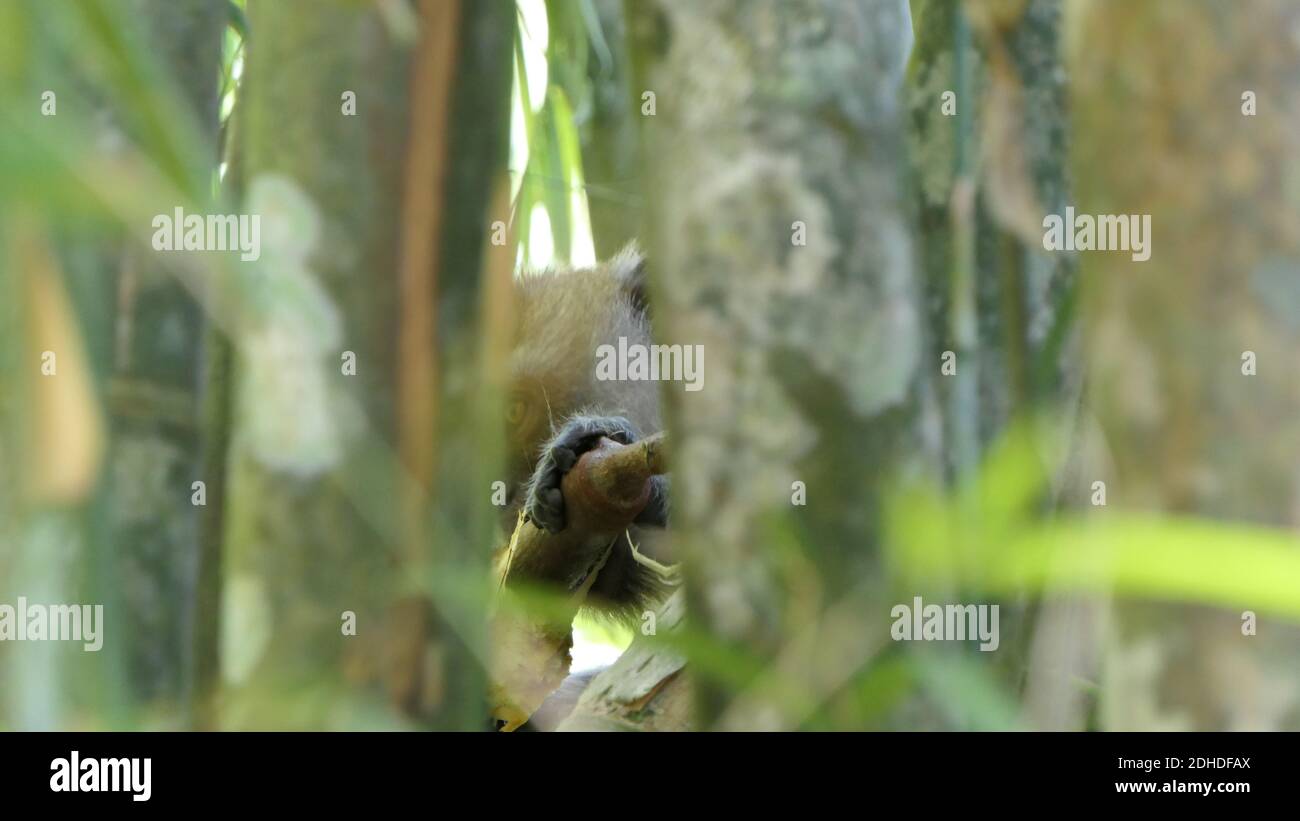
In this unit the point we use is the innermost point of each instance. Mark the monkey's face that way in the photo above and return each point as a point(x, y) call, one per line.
point(531, 412)
point(562, 319)
point(553, 358)
point(537, 405)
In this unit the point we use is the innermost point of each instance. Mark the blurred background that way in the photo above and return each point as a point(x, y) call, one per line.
point(276, 476)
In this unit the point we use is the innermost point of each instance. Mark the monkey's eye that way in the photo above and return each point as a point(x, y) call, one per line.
point(516, 411)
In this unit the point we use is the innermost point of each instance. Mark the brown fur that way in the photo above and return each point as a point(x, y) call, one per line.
point(564, 316)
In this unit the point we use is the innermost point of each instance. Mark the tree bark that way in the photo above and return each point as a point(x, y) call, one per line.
point(473, 323)
point(155, 393)
point(1157, 93)
point(303, 545)
point(777, 241)
point(369, 494)
point(988, 147)
point(128, 337)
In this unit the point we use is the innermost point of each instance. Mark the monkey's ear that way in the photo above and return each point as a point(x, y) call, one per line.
point(628, 268)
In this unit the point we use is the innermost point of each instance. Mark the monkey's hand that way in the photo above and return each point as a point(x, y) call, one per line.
point(544, 504)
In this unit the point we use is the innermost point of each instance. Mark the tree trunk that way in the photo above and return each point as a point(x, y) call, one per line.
point(366, 496)
point(473, 293)
point(116, 531)
point(986, 92)
point(154, 394)
point(777, 242)
point(1158, 96)
point(304, 546)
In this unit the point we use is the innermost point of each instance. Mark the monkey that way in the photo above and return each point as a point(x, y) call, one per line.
point(557, 410)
